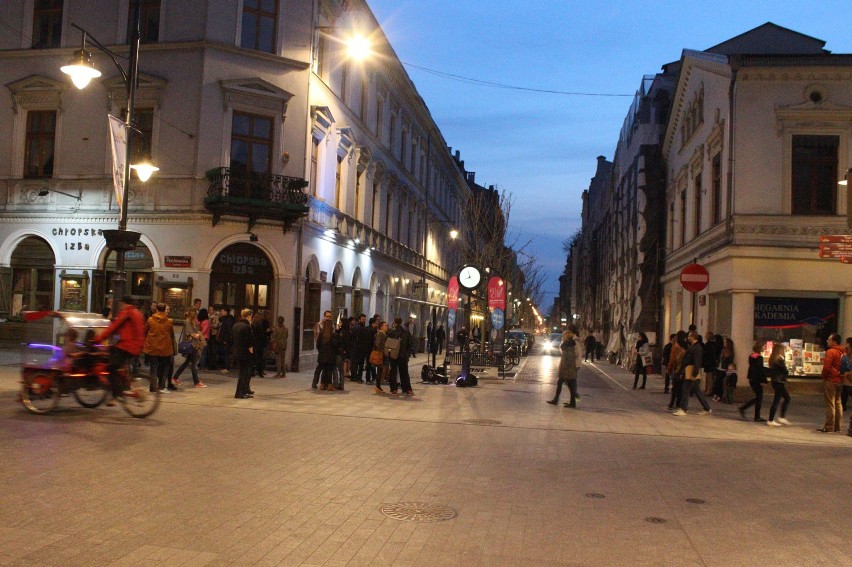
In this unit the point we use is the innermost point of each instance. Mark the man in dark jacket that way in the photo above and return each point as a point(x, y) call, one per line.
point(440, 336)
point(243, 344)
point(361, 347)
point(692, 376)
point(400, 363)
point(225, 342)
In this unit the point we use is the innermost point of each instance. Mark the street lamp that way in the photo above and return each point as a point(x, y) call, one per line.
point(82, 71)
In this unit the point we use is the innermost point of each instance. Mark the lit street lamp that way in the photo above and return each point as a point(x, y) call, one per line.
point(82, 71)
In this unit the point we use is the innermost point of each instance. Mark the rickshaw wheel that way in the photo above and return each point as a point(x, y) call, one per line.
point(39, 393)
point(137, 400)
point(91, 393)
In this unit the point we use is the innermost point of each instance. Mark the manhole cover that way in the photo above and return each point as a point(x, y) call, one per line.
point(418, 512)
point(653, 520)
point(595, 495)
point(482, 421)
point(696, 501)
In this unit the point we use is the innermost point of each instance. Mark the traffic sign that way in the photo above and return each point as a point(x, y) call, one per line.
point(694, 277)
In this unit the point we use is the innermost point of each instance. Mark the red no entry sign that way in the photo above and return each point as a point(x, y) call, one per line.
point(694, 277)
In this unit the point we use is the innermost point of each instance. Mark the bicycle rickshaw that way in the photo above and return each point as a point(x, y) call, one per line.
point(53, 367)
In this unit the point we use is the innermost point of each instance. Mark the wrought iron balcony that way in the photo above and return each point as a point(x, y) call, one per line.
point(256, 196)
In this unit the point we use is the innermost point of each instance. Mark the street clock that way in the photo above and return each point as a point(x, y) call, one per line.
point(470, 277)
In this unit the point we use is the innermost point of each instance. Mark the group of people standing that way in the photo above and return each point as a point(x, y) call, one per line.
point(362, 351)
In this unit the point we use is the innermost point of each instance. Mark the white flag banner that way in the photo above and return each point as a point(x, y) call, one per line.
point(118, 133)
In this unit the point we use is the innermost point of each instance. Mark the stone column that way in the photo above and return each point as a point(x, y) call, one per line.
point(742, 327)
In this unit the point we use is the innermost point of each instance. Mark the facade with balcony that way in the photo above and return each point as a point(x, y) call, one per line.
point(283, 185)
point(759, 136)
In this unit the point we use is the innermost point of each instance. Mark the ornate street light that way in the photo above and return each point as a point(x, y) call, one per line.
point(82, 71)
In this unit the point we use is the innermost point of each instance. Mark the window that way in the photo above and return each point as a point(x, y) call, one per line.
point(388, 215)
point(319, 65)
point(402, 147)
point(683, 217)
point(696, 230)
point(362, 111)
point(38, 155)
point(149, 20)
point(251, 144)
point(380, 111)
point(47, 23)
point(32, 276)
point(344, 82)
point(716, 182)
point(671, 226)
point(375, 205)
point(359, 178)
point(258, 31)
point(337, 183)
point(314, 165)
point(392, 134)
point(143, 121)
point(814, 174)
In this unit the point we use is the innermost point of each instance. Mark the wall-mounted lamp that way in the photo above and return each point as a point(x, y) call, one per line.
point(79, 196)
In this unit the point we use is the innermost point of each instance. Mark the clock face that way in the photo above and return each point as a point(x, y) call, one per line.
point(469, 277)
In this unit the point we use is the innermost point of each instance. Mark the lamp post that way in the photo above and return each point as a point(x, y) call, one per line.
point(82, 70)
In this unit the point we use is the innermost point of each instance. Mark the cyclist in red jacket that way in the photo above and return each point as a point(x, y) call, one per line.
point(130, 327)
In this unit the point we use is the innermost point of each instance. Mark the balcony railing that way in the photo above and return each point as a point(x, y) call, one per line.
point(255, 196)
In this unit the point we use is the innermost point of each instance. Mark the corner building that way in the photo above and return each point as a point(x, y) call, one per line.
point(292, 178)
point(758, 138)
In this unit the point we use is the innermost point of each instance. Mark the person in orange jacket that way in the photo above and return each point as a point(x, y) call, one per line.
point(832, 382)
point(130, 327)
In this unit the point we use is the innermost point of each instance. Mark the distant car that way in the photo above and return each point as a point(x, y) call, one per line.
point(551, 345)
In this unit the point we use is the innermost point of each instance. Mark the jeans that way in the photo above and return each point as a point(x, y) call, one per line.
point(757, 401)
point(640, 370)
point(159, 377)
point(260, 359)
point(693, 387)
point(244, 381)
point(192, 361)
point(677, 392)
point(833, 407)
point(844, 395)
point(399, 365)
point(780, 392)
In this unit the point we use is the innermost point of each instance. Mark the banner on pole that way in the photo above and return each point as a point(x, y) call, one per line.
point(118, 135)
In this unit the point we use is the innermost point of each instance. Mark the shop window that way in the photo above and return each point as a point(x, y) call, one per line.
point(258, 25)
point(39, 144)
point(251, 144)
point(814, 174)
point(696, 230)
point(149, 20)
point(47, 23)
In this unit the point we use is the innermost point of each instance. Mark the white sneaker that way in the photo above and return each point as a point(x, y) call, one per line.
point(773, 423)
point(783, 420)
point(705, 412)
point(164, 391)
point(678, 412)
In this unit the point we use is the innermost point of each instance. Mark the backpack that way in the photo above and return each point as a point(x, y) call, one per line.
point(392, 345)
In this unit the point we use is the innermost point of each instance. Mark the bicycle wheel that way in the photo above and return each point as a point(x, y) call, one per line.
point(91, 392)
point(39, 392)
point(516, 360)
point(508, 364)
point(138, 400)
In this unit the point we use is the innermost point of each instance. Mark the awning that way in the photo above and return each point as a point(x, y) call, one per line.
point(420, 302)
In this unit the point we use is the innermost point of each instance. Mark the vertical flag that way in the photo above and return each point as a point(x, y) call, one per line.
point(118, 134)
point(497, 308)
point(452, 308)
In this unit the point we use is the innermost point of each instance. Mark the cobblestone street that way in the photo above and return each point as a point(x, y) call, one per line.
point(303, 477)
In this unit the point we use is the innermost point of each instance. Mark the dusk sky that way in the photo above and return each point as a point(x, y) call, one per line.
point(541, 148)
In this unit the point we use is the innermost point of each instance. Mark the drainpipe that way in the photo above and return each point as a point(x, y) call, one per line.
point(732, 92)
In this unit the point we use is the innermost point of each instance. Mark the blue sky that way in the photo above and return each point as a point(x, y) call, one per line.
point(542, 148)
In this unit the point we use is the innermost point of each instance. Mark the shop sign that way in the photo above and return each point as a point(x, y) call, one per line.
point(793, 312)
point(694, 277)
point(178, 261)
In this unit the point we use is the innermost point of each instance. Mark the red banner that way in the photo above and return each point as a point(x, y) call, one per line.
point(496, 293)
point(453, 293)
point(836, 238)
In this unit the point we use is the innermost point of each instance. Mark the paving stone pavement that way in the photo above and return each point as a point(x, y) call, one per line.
point(299, 477)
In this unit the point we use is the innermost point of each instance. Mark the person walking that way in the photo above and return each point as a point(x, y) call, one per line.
point(692, 377)
point(639, 363)
point(399, 365)
point(778, 374)
point(260, 331)
point(243, 352)
point(345, 344)
point(326, 316)
point(159, 336)
point(379, 345)
point(726, 358)
point(327, 355)
point(440, 336)
point(362, 345)
point(590, 348)
point(756, 380)
point(832, 382)
point(675, 368)
point(569, 363)
point(191, 332)
point(278, 344)
point(225, 343)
